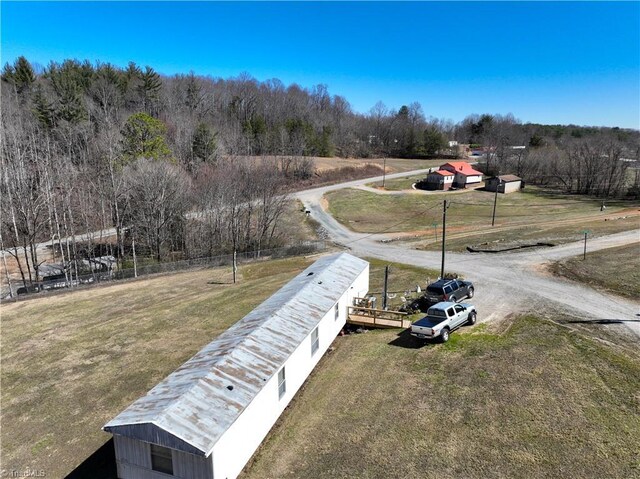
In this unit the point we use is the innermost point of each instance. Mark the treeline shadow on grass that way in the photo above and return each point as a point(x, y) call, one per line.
point(99, 465)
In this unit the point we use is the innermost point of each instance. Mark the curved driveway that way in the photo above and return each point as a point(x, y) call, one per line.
point(505, 283)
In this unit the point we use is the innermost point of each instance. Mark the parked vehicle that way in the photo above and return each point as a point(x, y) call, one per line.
point(442, 318)
point(449, 290)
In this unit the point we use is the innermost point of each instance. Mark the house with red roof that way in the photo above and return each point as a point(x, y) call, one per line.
point(464, 173)
point(439, 180)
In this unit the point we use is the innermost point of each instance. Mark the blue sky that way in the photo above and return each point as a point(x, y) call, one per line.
point(544, 62)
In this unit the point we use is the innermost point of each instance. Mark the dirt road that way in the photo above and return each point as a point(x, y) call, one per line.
point(505, 283)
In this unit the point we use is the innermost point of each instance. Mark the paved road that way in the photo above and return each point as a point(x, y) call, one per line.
point(505, 283)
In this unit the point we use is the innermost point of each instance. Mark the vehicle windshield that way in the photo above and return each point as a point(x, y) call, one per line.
point(436, 312)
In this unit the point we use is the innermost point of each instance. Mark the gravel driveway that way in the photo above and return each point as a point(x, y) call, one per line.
point(505, 283)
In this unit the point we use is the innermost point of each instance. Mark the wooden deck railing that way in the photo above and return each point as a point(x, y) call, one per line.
point(377, 318)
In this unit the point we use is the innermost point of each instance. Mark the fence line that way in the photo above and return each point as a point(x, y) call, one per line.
point(297, 249)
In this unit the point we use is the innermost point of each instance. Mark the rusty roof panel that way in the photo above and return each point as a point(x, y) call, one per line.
point(193, 405)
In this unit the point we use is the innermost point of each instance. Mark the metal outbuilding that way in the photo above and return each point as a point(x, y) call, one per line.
point(504, 183)
point(208, 417)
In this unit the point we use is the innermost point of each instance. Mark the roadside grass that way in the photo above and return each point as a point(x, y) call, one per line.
point(567, 231)
point(295, 226)
point(398, 184)
point(526, 398)
point(614, 269)
point(469, 212)
point(71, 362)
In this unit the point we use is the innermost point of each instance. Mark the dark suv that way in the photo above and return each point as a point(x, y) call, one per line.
point(449, 290)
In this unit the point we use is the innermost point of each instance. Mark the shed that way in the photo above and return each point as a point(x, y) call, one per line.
point(465, 174)
point(504, 184)
point(207, 418)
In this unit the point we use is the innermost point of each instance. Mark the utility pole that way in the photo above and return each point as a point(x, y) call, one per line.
point(235, 265)
point(6, 270)
point(495, 202)
point(386, 284)
point(384, 170)
point(444, 229)
point(135, 262)
point(584, 254)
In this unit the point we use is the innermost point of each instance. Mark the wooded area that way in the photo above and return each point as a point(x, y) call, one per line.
point(198, 165)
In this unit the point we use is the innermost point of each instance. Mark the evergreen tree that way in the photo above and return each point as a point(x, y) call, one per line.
point(23, 76)
point(43, 109)
point(193, 92)
point(204, 143)
point(144, 137)
point(69, 81)
point(433, 140)
point(149, 88)
point(130, 85)
point(20, 74)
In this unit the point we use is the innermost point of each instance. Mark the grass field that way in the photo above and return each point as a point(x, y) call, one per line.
point(615, 269)
point(394, 165)
point(71, 362)
point(399, 184)
point(561, 232)
point(523, 399)
point(533, 214)
point(527, 399)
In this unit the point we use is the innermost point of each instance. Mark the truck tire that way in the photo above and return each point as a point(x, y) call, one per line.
point(472, 319)
point(470, 295)
point(453, 299)
point(444, 335)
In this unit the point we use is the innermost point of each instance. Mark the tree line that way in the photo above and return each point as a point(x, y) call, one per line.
point(94, 147)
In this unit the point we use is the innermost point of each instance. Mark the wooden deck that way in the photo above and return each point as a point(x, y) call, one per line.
point(377, 318)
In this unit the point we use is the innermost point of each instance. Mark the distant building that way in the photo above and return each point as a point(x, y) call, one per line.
point(207, 418)
point(439, 180)
point(453, 143)
point(504, 183)
point(464, 173)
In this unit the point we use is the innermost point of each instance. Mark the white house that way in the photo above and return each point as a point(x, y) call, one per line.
point(465, 174)
point(207, 418)
point(439, 180)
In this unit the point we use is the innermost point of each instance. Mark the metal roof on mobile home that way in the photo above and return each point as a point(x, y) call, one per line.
point(193, 407)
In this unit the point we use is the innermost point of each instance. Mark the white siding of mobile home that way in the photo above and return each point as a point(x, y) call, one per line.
point(181, 414)
point(134, 461)
point(242, 439)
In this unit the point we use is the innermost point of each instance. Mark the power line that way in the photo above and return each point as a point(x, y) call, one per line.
point(394, 225)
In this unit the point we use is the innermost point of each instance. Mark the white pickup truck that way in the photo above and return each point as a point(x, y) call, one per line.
point(442, 318)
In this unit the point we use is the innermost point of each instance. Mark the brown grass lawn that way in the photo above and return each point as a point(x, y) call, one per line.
point(522, 399)
point(394, 165)
point(519, 399)
point(530, 216)
point(71, 362)
point(615, 269)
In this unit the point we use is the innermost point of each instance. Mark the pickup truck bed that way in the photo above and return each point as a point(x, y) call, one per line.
point(442, 318)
